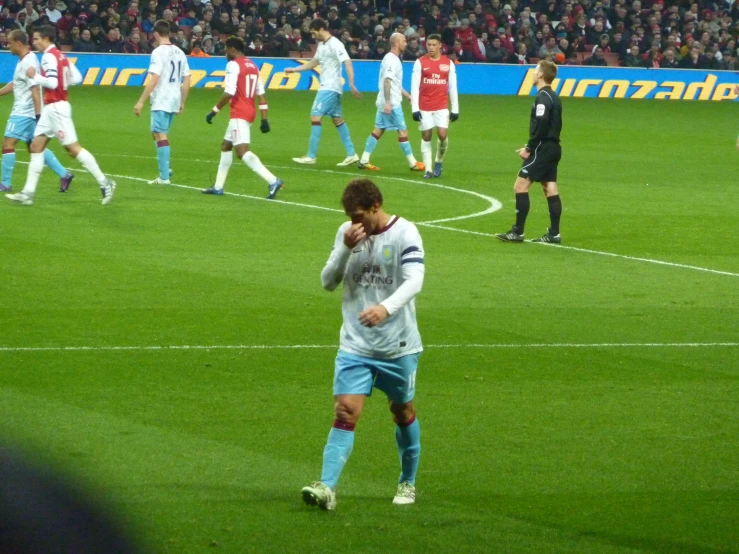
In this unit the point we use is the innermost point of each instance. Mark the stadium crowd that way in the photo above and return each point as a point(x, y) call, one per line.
point(633, 33)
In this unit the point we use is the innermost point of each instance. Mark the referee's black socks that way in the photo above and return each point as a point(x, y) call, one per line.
point(522, 211)
point(555, 212)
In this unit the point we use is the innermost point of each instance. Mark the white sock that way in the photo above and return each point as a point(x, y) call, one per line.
point(411, 160)
point(426, 152)
point(255, 164)
point(35, 167)
point(441, 146)
point(223, 167)
point(88, 162)
point(365, 158)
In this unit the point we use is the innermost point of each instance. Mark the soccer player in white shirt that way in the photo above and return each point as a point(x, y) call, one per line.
point(168, 86)
point(26, 111)
point(330, 55)
point(389, 110)
point(56, 75)
point(379, 258)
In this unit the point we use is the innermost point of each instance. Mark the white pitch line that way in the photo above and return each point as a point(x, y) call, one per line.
point(334, 346)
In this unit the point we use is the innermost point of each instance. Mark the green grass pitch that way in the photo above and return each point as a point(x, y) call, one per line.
point(526, 448)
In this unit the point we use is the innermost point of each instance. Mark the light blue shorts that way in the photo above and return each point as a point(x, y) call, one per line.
point(161, 121)
point(21, 128)
point(357, 375)
point(393, 122)
point(328, 103)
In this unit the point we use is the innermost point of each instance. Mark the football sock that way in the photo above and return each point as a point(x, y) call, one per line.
point(223, 167)
point(90, 164)
point(369, 148)
point(522, 211)
point(35, 167)
point(405, 146)
point(8, 166)
point(336, 453)
point(315, 137)
point(346, 138)
point(255, 164)
point(426, 153)
point(441, 146)
point(54, 164)
point(163, 159)
point(555, 212)
point(409, 450)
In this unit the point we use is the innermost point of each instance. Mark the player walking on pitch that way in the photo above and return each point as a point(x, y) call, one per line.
point(389, 110)
point(25, 113)
point(242, 85)
point(168, 86)
point(379, 258)
point(540, 157)
point(56, 117)
point(330, 54)
point(434, 82)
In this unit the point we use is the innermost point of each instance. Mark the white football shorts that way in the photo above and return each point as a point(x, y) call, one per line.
point(56, 121)
point(429, 120)
point(238, 132)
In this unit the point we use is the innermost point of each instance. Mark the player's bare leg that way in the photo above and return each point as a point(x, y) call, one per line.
point(426, 152)
point(555, 212)
point(348, 409)
point(369, 147)
point(346, 140)
point(88, 161)
point(163, 157)
point(315, 137)
point(441, 147)
point(408, 437)
point(521, 189)
point(405, 146)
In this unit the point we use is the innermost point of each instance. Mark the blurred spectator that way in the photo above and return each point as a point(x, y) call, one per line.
point(134, 44)
point(52, 12)
point(694, 59)
point(413, 49)
point(495, 53)
point(181, 41)
point(470, 48)
point(549, 49)
point(669, 61)
point(197, 51)
point(520, 56)
point(633, 57)
point(596, 58)
point(256, 49)
point(112, 43)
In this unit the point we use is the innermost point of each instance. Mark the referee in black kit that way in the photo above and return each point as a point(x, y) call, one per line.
point(540, 157)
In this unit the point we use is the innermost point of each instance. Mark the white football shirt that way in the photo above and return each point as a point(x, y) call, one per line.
point(375, 271)
point(391, 68)
point(170, 63)
point(23, 101)
point(330, 55)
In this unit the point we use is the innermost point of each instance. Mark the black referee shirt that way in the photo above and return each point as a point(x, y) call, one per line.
point(546, 118)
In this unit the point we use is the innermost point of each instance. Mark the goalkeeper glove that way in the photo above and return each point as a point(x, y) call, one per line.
point(264, 127)
point(416, 116)
point(453, 117)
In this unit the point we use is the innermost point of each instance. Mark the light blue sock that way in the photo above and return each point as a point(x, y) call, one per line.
point(54, 164)
point(346, 138)
point(8, 166)
point(405, 146)
point(315, 138)
point(369, 147)
point(163, 159)
point(409, 449)
point(338, 448)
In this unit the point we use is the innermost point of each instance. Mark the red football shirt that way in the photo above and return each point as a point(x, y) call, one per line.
point(434, 89)
point(244, 84)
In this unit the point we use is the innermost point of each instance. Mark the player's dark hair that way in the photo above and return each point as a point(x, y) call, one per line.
point(433, 37)
point(360, 194)
point(237, 43)
point(548, 70)
point(162, 28)
point(18, 36)
point(46, 31)
point(318, 24)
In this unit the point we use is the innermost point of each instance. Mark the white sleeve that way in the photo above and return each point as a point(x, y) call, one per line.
point(416, 86)
point(75, 77)
point(157, 63)
point(413, 272)
point(341, 53)
point(453, 88)
point(333, 271)
point(232, 78)
point(51, 69)
point(186, 66)
point(260, 85)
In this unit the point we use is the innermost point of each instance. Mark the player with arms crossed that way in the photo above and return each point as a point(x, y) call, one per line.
point(540, 157)
point(379, 258)
point(26, 112)
point(242, 85)
point(168, 86)
point(56, 117)
point(434, 82)
point(330, 54)
point(389, 110)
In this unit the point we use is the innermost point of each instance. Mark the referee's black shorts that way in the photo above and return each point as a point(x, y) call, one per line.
point(542, 163)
